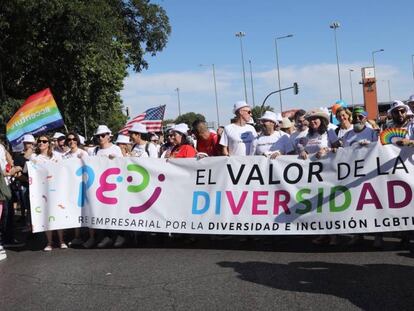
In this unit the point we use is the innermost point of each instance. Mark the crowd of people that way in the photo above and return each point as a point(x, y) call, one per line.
point(306, 134)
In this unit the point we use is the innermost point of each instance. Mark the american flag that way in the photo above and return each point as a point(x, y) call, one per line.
point(152, 118)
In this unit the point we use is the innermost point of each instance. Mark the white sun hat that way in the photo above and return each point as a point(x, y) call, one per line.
point(122, 139)
point(397, 104)
point(240, 104)
point(279, 117)
point(138, 128)
point(270, 116)
point(102, 129)
point(181, 128)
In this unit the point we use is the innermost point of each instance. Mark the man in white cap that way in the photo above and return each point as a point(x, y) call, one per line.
point(141, 146)
point(272, 142)
point(108, 149)
point(239, 138)
point(399, 114)
point(105, 147)
point(59, 148)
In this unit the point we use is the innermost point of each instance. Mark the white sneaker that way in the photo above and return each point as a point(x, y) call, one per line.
point(120, 240)
point(48, 248)
point(106, 242)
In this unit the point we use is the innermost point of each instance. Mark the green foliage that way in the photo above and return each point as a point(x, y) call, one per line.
point(8, 107)
point(257, 112)
point(189, 118)
point(81, 49)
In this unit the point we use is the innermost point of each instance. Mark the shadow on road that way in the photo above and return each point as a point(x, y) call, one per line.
point(369, 287)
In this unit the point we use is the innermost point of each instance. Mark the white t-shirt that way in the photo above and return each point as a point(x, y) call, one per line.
point(313, 143)
point(298, 139)
point(113, 150)
point(342, 131)
point(3, 160)
point(278, 141)
point(78, 154)
point(40, 158)
point(240, 140)
point(352, 137)
point(139, 151)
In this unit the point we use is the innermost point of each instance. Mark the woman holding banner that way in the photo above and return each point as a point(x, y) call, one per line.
point(181, 149)
point(317, 140)
point(272, 143)
point(44, 154)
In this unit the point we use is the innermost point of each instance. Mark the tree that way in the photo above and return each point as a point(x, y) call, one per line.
point(257, 112)
point(81, 49)
point(189, 118)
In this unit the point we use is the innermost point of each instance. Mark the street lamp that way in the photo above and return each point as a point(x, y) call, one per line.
point(373, 56)
point(240, 35)
point(215, 92)
point(334, 26)
point(350, 82)
point(278, 69)
point(251, 81)
point(179, 103)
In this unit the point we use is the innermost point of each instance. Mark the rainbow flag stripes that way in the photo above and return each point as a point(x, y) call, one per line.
point(38, 114)
point(391, 135)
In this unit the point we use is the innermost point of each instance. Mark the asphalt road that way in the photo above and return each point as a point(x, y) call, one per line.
point(178, 274)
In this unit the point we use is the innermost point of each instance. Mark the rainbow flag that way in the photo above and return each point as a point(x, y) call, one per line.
point(38, 114)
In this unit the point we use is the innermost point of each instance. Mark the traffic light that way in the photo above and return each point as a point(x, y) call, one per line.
point(295, 88)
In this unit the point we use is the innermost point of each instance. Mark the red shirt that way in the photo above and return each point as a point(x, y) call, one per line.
point(184, 151)
point(209, 145)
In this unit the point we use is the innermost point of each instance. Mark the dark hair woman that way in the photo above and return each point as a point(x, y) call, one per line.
point(182, 148)
point(44, 154)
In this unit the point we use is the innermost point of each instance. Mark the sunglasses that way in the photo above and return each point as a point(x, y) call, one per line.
point(41, 141)
point(399, 111)
point(102, 135)
point(71, 139)
point(248, 111)
point(359, 117)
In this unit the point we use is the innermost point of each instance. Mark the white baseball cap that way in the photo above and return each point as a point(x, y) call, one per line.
point(28, 138)
point(122, 139)
point(138, 128)
point(181, 128)
point(102, 129)
point(240, 104)
point(58, 135)
point(270, 116)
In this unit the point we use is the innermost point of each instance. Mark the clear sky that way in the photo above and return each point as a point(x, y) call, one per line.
point(203, 32)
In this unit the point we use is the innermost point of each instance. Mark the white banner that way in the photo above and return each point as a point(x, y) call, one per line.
point(358, 189)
